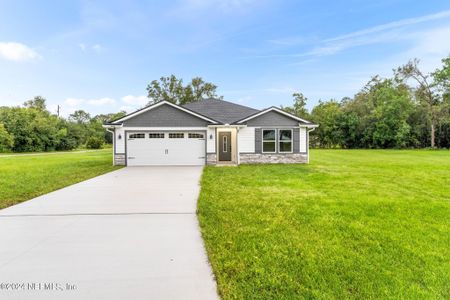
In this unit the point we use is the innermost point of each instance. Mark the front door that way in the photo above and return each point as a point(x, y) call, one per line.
point(224, 146)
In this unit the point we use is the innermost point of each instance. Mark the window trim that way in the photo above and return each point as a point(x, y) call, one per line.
point(132, 136)
point(275, 140)
point(200, 137)
point(286, 141)
point(158, 133)
point(224, 143)
point(182, 133)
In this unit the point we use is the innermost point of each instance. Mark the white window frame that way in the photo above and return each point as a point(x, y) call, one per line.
point(262, 140)
point(281, 141)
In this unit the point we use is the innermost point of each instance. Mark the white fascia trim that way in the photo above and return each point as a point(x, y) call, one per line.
point(112, 126)
point(227, 126)
point(132, 115)
point(277, 110)
point(308, 126)
point(165, 128)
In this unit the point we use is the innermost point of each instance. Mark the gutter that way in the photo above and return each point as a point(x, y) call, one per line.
point(311, 130)
point(114, 142)
point(112, 125)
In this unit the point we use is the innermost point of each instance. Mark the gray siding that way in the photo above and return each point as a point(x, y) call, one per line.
point(273, 119)
point(258, 144)
point(295, 140)
point(165, 116)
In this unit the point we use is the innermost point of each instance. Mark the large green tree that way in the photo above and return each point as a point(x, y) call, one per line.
point(424, 91)
point(298, 108)
point(327, 114)
point(37, 102)
point(6, 139)
point(80, 117)
point(171, 89)
point(376, 117)
point(442, 82)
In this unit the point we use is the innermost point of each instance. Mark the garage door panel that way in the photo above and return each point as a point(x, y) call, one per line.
point(165, 151)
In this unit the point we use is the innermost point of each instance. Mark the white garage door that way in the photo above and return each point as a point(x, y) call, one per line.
point(165, 148)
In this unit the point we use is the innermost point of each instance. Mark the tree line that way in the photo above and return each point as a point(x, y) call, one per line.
point(409, 110)
point(32, 128)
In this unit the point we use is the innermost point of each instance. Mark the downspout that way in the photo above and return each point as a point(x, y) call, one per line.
point(310, 130)
point(114, 144)
point(238, 157)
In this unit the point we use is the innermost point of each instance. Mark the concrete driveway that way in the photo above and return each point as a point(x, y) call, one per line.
point(128, 234)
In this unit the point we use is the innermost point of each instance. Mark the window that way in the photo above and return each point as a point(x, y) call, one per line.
point(137, 136)
point(269, 140)
point(285, 140)
point(156, 135)
point(195, 136)
point(225, 143)
point(176, 135)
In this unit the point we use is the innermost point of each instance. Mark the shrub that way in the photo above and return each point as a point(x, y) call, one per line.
point(94, 143)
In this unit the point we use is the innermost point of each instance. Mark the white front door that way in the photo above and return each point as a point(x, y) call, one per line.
point(165, 148)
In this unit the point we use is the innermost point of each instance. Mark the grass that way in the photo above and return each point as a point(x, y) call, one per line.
point(360, 224)
point(28, 176)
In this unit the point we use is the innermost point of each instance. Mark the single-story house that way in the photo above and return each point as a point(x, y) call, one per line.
point(210, 131)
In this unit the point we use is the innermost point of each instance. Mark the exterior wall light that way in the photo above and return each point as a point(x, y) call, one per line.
point(120, 136)
point(210, 136)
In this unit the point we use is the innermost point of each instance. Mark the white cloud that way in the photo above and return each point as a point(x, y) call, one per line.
point(95, 102)
point(74, 101)
point(336, 46)
point(208, 3)
point(86, 47)
point(393, 25)
point(288, 41)
point(282, 90)
point(101, 101)
point(223, 6)
point(97, 48)
point(127, 108)
point(384, 33)
point(17, 52)
point(82, 47)
point(430, 46)
point(53, 108)
point(135, 100)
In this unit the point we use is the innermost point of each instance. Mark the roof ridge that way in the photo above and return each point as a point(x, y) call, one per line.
point(217, 99)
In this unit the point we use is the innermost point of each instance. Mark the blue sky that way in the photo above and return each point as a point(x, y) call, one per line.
point(100, 55)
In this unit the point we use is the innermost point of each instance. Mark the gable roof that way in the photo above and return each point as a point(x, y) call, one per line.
point(221, 110)
point(215, 111)
point(273, 108)
point(155, 105)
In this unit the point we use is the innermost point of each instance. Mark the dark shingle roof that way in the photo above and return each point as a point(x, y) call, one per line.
point(220, 110)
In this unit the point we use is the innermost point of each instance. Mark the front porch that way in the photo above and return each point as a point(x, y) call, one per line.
point(226, 147)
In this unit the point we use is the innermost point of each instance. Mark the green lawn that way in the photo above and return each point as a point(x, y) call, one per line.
point(352, 224)
point(25, 177)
